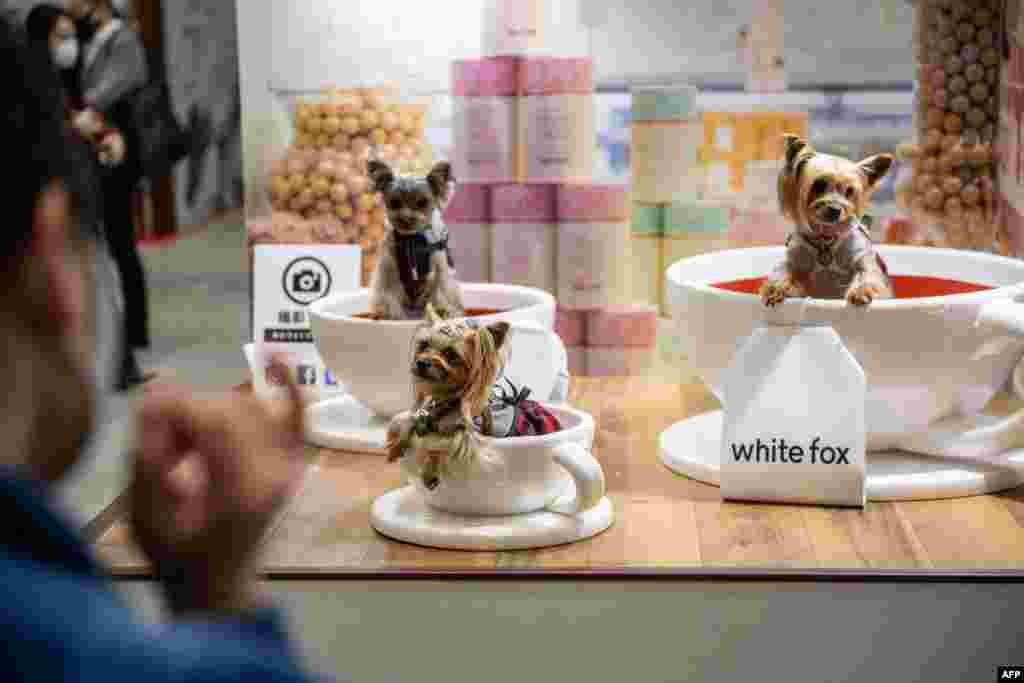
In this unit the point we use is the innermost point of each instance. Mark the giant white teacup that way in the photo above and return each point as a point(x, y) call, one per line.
point(372, 357)
point(925, 359)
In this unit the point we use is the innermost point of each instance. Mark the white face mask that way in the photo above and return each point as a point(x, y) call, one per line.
point(66, 54)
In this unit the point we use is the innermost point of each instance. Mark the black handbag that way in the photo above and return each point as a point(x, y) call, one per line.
point(161, 142)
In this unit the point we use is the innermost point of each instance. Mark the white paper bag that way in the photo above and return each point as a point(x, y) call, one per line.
point(794, 419)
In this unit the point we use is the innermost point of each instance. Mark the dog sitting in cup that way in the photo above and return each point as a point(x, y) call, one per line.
point(830, 254)
point(455, 364)
point(414, 267)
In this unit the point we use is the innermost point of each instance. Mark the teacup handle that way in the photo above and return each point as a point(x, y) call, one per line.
point(960, 436)
point(586, 471)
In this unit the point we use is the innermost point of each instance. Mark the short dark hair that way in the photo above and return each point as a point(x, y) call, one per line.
point(41, 147)
point(40, 22)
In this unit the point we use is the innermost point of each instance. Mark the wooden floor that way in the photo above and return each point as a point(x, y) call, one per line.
point(664, 522)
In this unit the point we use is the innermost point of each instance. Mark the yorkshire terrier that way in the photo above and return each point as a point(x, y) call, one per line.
point(455, 364)
point(830, 254)
point(414, 267)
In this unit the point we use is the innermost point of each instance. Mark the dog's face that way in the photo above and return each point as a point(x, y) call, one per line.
point(823, 194)
point(456, 358)
point(410, 201)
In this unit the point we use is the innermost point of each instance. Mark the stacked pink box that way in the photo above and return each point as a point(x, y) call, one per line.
point(611, 341)
point(486, 119)
point(468, 218)
point(524, 238)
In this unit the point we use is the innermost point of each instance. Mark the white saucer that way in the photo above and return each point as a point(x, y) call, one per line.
point(344, 424)
point(402, 515)
point(691, 448)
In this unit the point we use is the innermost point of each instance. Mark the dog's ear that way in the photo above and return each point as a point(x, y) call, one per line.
point(499, 331)
point(432, 317)
point(442, 183)
point(381, 175)
point(874, 168)
point(798, 153)
point(795, 147)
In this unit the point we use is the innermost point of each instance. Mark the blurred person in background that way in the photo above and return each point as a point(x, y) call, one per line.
point(113, 69)
point(52, 33)
point(60, 618)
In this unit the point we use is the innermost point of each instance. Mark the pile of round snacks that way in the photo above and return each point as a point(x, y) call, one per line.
point(956, 120)
point(319, 189)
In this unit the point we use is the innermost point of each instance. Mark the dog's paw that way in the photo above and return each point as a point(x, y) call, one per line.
point(774, 293)
point(862, 295)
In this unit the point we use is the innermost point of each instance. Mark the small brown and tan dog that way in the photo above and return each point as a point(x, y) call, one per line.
point(830, 254)
point(455, 363)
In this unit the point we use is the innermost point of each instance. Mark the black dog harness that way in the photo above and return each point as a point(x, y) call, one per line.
point(414, 254)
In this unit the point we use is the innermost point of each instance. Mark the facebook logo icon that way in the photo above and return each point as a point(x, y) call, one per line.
point(307, 375)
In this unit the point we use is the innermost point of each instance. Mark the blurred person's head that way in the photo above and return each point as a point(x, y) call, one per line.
point(48, 271)
point(50, 26)
point(90, 16)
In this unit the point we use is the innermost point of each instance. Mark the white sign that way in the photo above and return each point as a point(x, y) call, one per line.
point(286, 280)
point(794, 419)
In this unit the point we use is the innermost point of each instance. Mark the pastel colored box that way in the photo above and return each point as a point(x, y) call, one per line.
point(577, 361)
point(524, 240)
point(648, 219)
point(470, 234)
point(571, 327)
point(593, 235)
point(635, 325)
point(485, 126)
point(556, 120)
point(647, 268)
point(619, 361)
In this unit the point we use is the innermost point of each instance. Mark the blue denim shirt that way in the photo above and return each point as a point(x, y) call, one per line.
point(61, 620)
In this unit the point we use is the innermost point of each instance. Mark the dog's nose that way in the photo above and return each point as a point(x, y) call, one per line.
point(423, 365)
point(832, 214)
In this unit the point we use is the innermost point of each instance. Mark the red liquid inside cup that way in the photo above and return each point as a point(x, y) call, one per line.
point(906, 286)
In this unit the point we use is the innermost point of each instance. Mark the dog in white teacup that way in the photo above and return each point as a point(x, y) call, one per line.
point(829, 254)
point(455, 364)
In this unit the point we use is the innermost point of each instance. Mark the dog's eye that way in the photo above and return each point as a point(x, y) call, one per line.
point(395, 204)
point(849, 193)
point(422, 203)
point(452, 356)
point(819, 186)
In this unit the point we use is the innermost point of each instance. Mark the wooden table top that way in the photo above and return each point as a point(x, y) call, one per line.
point(665, 524)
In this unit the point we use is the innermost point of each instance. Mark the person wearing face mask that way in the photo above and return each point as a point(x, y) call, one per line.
point(61, 619)
point(113, 69)
point(51, 31)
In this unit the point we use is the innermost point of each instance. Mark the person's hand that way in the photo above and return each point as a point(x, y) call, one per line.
point(111, 149)
point(211, 473)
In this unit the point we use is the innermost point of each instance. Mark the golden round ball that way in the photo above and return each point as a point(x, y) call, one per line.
point(369, 119)
point(366, 201)
point(360, 146)
point(332, 125)
point(339, 193)
point(343, 211)
point(350, 125)
point(389, 120)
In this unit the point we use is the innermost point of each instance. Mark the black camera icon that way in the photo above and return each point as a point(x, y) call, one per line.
point(307, 282)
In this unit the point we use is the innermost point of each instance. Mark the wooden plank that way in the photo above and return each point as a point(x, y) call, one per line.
point(967, 533)
point(872, 538)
